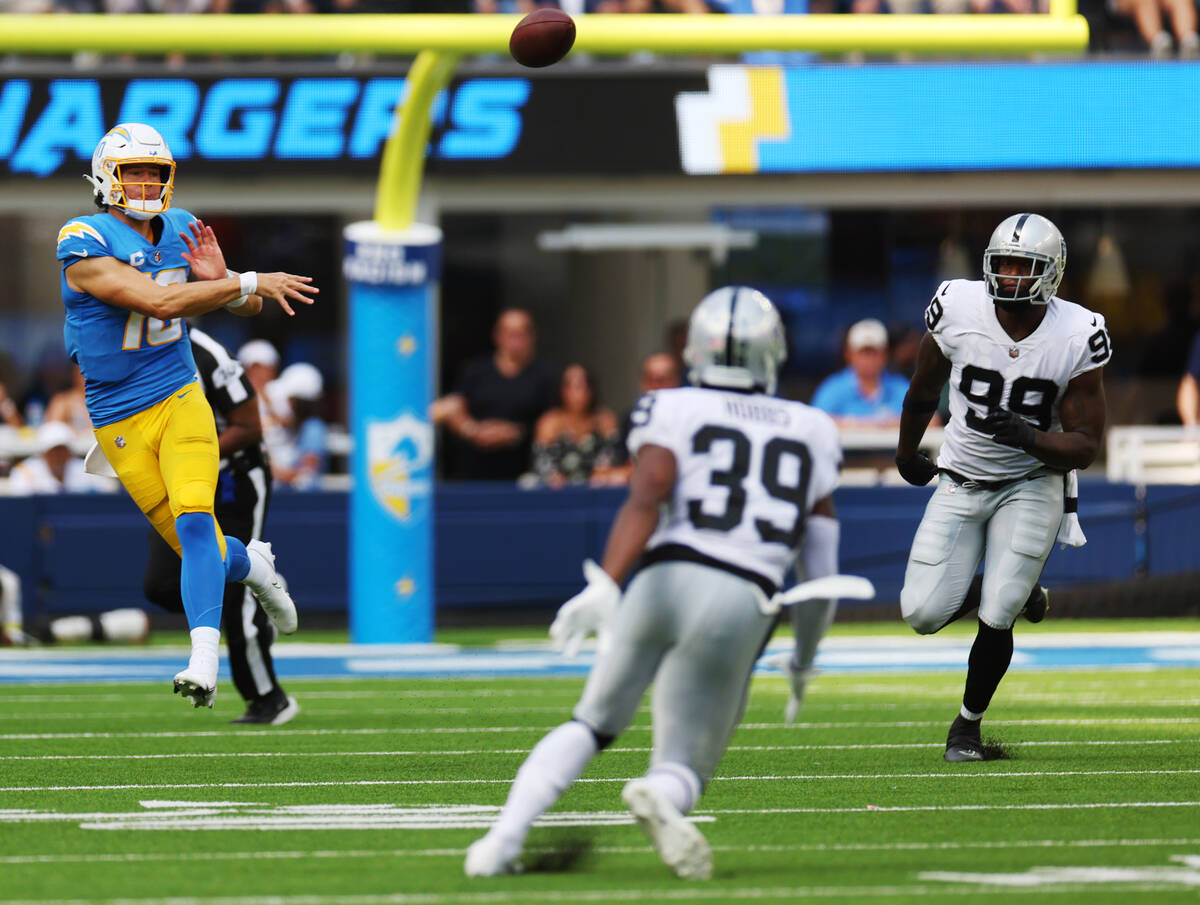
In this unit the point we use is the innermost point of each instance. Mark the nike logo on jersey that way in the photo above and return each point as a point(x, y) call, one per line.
point(181, 395)
point(1093, 320)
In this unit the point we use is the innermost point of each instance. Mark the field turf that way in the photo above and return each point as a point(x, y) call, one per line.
point(122, 794)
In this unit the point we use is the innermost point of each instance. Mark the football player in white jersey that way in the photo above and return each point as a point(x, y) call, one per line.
point(1026, 406)
point(728, 484)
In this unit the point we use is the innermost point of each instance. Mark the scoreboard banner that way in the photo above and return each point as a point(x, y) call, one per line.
point(720, 120)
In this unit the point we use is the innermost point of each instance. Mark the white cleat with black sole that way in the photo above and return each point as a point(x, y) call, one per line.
point(492, 856)
point(198, 685)
point(681, 846)
point(273, 597)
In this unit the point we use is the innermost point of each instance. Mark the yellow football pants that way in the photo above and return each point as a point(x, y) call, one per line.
point(167, 458)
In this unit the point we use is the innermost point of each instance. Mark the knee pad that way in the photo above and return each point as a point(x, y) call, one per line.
point(919, 618)
point(195, 496)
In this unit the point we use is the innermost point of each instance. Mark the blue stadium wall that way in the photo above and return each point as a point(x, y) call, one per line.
point(498, 547)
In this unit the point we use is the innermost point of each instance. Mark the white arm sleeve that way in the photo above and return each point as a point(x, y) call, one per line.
point(819, 549)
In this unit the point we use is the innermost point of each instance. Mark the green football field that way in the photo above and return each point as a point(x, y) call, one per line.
point(121, 794)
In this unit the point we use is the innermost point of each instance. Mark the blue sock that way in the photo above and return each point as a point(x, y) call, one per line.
point(237, 560)
point(202, 578)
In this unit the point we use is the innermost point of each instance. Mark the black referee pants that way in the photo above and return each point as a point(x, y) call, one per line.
point(241, 508)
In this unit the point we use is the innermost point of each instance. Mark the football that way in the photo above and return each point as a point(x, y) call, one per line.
point(542, 38)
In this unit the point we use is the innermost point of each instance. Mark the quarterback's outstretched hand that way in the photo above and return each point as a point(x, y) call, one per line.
point(586, 612)
point(918, 469)
point(1009, 428)
point(284, 286)
point(204, 254)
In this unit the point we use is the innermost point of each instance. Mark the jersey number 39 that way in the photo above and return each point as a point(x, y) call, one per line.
point(733, 477)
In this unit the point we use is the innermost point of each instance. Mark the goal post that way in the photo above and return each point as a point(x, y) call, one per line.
point(392, 264)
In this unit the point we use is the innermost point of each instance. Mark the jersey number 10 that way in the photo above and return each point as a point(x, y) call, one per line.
point(158, 332)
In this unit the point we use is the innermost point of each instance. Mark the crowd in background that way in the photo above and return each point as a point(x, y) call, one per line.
point(45, 428)
point(510, 415)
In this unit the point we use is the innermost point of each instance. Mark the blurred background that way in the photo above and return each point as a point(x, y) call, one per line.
point(599, 200)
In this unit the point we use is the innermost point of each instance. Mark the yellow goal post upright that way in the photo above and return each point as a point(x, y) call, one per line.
point(392, 264)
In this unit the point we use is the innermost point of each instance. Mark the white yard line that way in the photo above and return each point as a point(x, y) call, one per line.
point(1055, 689)
point(691, 892)
point(309, 784)
point(459, 752)
point(474, 730)
point(144, 857)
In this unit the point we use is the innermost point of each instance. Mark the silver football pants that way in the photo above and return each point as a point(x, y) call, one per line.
point(1014, 527)
point(696, 632)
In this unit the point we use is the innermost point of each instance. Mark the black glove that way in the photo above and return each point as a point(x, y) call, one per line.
point(1008, 428)
point(918, 469)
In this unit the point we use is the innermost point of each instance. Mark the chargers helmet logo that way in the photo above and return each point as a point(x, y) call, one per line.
point(400, 463)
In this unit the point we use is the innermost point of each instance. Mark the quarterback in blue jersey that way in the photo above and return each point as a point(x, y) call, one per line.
point(130, 275)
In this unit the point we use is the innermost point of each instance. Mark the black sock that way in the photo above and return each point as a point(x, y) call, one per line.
point(990, 655)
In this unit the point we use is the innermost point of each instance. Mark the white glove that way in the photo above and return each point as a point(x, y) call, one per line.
point(585, 613)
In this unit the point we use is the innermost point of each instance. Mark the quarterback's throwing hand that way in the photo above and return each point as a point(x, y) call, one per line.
point(918, 469)
point(586, 612)
point(1009, 428)
point(284, 286)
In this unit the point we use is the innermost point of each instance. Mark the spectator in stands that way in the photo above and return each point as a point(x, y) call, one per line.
point(903, 343)
point(864, 393)
point(55, 469)
point(1147, 16)
point(1187, 397)
point(496, 403)
point(70, 407)
point(660, 371)
point(576, 441)
point(9, 413)
point(260, 361)
point(302, 462)
point(53, 375)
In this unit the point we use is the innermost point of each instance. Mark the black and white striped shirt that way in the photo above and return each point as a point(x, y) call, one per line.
point(226, 387)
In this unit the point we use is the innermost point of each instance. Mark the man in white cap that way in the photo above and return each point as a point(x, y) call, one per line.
point(55, 469)
point(864, 392)
point(260, 362)
point(305, 457)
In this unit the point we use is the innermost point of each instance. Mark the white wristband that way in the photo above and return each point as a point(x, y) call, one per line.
point(249, 281)
point(241, 299)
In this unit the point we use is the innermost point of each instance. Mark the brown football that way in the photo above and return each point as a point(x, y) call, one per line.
point(542, 38)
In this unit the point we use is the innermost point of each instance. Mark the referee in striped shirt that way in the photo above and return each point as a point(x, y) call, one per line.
point(243, 494)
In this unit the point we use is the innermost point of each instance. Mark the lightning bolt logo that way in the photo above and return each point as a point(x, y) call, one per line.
point(720, 130)
point(78, 230)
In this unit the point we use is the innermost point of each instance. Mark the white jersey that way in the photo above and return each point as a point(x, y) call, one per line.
point(749, 468)
point(991, 370)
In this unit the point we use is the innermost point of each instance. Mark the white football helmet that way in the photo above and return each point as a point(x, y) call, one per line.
point(735, 340)
point(131, 143)
point(1033, 238)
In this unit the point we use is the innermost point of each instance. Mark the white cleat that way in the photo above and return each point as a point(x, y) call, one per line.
point(202, 689)
point(492, 856)
point(273, 597)
point(681, 846)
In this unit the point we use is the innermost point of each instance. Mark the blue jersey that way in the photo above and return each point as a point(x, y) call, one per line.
point(129, 361)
